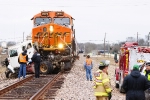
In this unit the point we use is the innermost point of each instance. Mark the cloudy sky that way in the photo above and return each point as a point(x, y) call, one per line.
point(93, 18)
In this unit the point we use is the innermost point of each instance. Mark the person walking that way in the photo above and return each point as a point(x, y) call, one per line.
point(102, 86)
point(36, 58)
point(147, 74)
point(22, 60)
point(135, 84)
point(88, 67)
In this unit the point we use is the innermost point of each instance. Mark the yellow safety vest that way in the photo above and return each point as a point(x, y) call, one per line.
point(148, 76)
point(22, 58)
point(101, 84)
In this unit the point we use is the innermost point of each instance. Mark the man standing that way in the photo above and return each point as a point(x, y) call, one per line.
point(102, 86)
point(88, 66)
point(36, 58)
point(135, 84)
point(22, 59)
point(147, 74)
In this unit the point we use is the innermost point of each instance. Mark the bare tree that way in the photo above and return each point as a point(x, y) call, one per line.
point(130, 39)
point(141, 42)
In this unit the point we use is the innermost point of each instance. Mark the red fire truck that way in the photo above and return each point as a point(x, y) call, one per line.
point(130, 54)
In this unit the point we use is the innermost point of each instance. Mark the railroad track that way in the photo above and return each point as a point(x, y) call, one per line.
point(32, 88)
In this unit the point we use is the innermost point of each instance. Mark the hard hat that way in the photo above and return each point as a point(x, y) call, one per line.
point(148, 63)
point(104, 63)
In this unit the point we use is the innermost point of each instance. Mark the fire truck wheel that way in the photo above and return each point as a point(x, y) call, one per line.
point(121, 89)
point(117, 85)
point(46, 67)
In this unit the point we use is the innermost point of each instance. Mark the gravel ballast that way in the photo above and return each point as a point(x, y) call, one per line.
point(76, 87)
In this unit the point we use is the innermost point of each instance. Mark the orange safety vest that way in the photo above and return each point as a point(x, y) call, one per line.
point(22, 58)
point(88, 61)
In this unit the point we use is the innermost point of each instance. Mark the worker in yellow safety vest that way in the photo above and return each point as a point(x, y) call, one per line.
point(22, 60)
point(147, 74)
point(102, 86)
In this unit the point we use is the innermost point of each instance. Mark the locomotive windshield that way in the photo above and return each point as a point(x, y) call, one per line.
point(41, 21)
point(62, 21)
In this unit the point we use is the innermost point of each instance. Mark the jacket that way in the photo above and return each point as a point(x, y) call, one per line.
point(25, 56)
point(134, 85)
point(36, 58)
point(102, 85)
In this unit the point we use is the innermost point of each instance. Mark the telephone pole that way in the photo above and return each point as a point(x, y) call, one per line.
point(23, 36)
point(137, 38)
point(148, 39)
point(104, 43)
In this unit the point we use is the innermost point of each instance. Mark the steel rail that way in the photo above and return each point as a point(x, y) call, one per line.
point(41, 92)
point(8, 88)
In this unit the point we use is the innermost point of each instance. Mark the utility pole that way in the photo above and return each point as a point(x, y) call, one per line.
point(104, 43)
point(137, 38)
point(148, 39)
point(23, 36)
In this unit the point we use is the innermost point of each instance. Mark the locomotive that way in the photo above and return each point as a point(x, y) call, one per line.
point(53, 35)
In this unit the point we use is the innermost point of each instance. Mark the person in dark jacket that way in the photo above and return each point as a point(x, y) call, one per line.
point(22, 60)
point(135, 84)
point(36, 58)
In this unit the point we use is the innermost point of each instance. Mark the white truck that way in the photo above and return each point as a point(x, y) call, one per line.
point(13, 53)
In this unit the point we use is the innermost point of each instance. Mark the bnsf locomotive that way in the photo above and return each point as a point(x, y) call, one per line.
point(54, 36)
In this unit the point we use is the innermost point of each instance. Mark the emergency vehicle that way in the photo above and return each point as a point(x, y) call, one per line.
point(130, 54)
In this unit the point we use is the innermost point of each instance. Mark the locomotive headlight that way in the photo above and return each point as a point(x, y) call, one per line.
point(51, 29)
point(60, 46)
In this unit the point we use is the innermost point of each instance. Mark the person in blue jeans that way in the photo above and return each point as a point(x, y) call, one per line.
point(22, 60)
point(88, 67)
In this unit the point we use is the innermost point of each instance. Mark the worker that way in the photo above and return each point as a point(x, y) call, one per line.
point(147, 74)
point(22, 60)
point(102, 86)
point(36, 58)
point(88, 66)
point(135, 84)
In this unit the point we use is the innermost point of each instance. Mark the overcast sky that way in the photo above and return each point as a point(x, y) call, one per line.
point(118, 18)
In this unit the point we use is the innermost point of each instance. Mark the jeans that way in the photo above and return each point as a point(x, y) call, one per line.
point(22, 71)
point(88, 72)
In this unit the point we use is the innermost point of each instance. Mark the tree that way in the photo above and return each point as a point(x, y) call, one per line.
point(130, 39)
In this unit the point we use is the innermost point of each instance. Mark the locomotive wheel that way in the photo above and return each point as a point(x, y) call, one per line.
point(117, 85)
point(46, 67)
